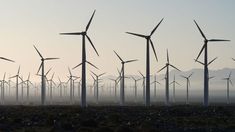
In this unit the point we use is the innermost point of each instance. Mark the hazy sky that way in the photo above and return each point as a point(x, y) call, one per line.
point(26, 23)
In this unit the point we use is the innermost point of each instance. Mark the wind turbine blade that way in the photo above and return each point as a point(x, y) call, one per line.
point(53, 82)
point(231, 82)
point(30, 82)
point(28, 76)
point(21, 78)
point(156, 27)
point(69, 72)
point(200, 52)
point(199, 61)
point(230, 74)
point(174, 67)
point(92, 65)
point(224, 78)
point(190, 75)
point(118, 56)
point(162, 68)
point(167, 55)
point(75, 33)
point(102, 74)
point(38, 51)
point(39, 68)
point(48, 71)
point(135, 34)
point(13, 77)
point(59, 79)
point(215, 40)
point(212, 77)
point(52, 76)
point(93, 77)
point(51, 58)
point(119, 72)
point(94, 73)
point(77, 66)
point(183, 76)
point(133, 78)
point(18, 72)
point(177, 83)
point(130, 61)
point(141, 74)
point(200, 30)
point(4, 76)
point(112, 79)
point(6, 59)
point(212, 60)
point(92, 44)
point(88, 25)
point(154, 51)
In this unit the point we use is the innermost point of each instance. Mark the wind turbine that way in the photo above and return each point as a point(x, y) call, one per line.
point(115, 85)
point(122, 88)
point(135, 86)
point(187, 85)
point(94, 85)
point(148, 38)
point(173, 83)
point(155, 86)
point(3, 58)
point(17, 84)
point(43, 84)
point(22, 88)
point(60, 85)
point(3, 81)
point(71, 80)
point(27, 85)
point(167, 76)
point(143, 84)
point(228, 80)
point(50, 82)
point(84, 36)
point(97, 84)
point(204, 47)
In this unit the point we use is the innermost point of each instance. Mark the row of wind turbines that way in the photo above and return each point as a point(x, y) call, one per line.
point(121, 77)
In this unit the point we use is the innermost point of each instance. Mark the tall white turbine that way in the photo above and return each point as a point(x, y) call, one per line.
point(173, 83)
point(187, 86)
point(27, 86)
point(135, 86)
point(97, 79)
point(84, 60)
point(155, 87)
point(149, 41)
point(144, 88)
point(206, 74)
point(167, 77)
point(228, 81)
point(122, 88)
point(17, 84)
point(43, 84)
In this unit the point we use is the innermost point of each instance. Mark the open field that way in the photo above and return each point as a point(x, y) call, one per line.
point(115, 118)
